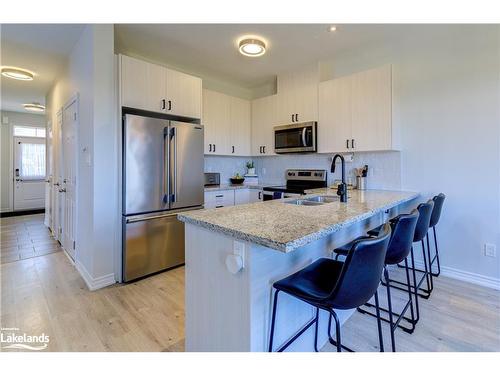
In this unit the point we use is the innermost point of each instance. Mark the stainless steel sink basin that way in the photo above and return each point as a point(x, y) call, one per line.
point(324, 199)
point(304, 202)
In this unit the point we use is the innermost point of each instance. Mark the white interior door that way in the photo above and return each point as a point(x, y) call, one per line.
point(29, 173)
point(68, 186)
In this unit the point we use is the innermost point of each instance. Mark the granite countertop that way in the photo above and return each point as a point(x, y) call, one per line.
point(286, 227)
point(233, 187)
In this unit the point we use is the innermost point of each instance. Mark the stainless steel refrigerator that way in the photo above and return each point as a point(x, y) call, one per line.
point(162, 176)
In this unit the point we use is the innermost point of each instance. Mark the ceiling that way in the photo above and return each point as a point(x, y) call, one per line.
point(42, 49)
point(210, 50)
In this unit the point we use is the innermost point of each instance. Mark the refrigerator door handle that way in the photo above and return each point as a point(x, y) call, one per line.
point(173, 169)
point(166, 166)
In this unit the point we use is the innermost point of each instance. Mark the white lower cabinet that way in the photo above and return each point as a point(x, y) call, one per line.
point(225, 198)
point(219, 198)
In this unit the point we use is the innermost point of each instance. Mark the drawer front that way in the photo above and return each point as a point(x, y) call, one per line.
point(217, 199)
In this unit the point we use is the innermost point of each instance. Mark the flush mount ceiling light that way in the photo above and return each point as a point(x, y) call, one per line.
point(17, 73)
point(332, 28)
point(252, 47)
point(34, 107)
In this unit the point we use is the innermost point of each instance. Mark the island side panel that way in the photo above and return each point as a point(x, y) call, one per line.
point(217, 302)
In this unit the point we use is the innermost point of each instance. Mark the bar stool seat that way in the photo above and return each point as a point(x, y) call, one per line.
point(313, 283)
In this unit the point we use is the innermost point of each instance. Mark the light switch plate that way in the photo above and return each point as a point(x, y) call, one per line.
point(490, 250)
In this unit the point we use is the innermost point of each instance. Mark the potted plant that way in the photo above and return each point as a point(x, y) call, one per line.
point(250, 168)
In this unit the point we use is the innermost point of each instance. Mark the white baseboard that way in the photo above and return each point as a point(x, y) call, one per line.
point(470, 277)
point(95, 283)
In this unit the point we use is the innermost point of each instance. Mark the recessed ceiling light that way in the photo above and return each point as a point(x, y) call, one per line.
point(252, 47)
point(17, 73)
point(34, 107)
point(332, 28)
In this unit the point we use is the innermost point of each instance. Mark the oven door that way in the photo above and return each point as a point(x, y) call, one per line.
point(295, 138)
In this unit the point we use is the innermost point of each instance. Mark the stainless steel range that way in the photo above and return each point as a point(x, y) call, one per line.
point(297, 182)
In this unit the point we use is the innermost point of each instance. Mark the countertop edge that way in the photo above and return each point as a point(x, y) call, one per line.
point(302, 241)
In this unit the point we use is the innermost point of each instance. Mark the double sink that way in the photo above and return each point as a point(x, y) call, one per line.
point(314, 201)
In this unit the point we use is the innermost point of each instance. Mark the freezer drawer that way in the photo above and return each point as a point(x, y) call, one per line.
point(151, 244)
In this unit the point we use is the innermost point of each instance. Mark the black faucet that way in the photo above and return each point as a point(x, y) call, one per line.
point(342, 188)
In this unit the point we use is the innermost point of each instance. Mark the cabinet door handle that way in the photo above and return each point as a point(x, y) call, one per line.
point(163, 104)
point(263, 149)
point(169, 105)
point(347, 143)
point(233, 150)
point(209, 147)
point(293, 117)
point(214, 147)
point(352, 143)
point(260, 150)
point(297, 117)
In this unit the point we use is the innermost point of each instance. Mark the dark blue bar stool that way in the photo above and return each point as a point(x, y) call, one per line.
point(328, 284)
point(424, 218)
point(403, 230)
point(436, 214)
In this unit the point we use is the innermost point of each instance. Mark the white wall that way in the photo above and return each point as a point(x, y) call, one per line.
point(90, 74)
point(8, 120)
point(446, 98)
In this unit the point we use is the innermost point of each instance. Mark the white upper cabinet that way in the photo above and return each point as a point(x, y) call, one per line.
point(240, 126)
point(335, 122)
point(297, 98)
point(227, 124)
point(155, 88)
point(263, 121)
point(355, 112)
point(183, 94)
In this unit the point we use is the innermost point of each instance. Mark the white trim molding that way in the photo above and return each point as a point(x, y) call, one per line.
point(470, 277)
point(94, 283)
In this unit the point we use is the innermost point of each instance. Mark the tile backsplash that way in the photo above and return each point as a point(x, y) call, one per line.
point(384, 167)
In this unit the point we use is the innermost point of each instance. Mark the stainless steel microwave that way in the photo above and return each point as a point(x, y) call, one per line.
point(295, 138)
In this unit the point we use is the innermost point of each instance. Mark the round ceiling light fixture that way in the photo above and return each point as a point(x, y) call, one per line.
point(34, 107)
point(17, 73)
point(332, 28)
point(252, 47)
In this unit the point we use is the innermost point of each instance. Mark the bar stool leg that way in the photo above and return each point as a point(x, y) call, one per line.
point(413, 321)
point(316, 331)
point(379, 323)
point(426, 272)
point(437, 251)
point(430, 261)
point(391, 323)
point(336, 342)
point(273, 320)
point(415, 283)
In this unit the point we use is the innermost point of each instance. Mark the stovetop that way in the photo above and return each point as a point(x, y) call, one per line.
point(300, 180)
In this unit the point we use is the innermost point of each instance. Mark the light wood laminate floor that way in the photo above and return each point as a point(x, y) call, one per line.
point(45, 294)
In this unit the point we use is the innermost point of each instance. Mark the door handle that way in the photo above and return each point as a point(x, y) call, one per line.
point(209, 147)
point(214, 147)
point(163, 104)
point(297, 117)
point(233, 150)
point(263, 149)
point(304, 141)
point(352, 143)
point(169, 105)
point(347, 143)
point(173, 136)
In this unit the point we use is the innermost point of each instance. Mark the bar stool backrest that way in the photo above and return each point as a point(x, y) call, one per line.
point(424, 219)
point(403, 231)
point(360, 275)
point(436, 211)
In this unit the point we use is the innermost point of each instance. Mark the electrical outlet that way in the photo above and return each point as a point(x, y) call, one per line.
point(490, 250)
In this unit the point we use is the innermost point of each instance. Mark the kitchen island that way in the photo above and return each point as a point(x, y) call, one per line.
point(234, 254)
